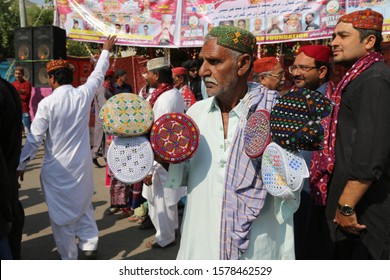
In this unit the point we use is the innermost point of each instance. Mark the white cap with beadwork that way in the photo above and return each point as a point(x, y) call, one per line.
point(283, 171)
point(130, 158)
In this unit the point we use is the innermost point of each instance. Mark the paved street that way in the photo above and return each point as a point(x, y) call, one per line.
point(119, 239)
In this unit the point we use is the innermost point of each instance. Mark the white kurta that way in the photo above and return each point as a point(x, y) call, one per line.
point(62, 119)
point(272, 235)
point(162, 201)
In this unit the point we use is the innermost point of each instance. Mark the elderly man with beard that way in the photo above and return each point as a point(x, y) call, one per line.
point(223, 182)
point(311, 69)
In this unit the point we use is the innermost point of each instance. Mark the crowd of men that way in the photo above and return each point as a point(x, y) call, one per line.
point(342, 210)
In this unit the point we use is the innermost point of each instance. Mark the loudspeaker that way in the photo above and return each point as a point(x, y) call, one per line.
point(28, 70)
point(23, 43)
point(49, 42)
point(40, 74)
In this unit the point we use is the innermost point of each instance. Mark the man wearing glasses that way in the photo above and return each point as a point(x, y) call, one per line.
point(269, 72)
point(311, 70)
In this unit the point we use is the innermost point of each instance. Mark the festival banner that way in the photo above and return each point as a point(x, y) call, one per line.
point(135, 22)
point(184, 23)
point(270, 21)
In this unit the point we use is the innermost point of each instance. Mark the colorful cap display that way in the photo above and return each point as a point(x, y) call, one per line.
point(296, 119)
point(257, 134)
point(126, 114)
point(174, 137)
point(282, 171)
point(365, 19)
point(234, 38)
point(318, 52)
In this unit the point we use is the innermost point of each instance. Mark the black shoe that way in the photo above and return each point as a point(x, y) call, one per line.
point(90, 255)
point(147, 224)
point(95, 161)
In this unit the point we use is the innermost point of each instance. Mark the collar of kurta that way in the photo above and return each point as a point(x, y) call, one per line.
point(215, 106)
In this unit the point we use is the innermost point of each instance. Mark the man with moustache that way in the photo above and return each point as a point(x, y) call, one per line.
point(311, 69)
point(358, 205)
point(228, 214)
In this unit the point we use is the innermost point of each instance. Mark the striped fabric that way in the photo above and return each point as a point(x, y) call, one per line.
point(244, 193)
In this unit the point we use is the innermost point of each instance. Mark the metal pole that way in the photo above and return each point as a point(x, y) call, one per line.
point(22, 13)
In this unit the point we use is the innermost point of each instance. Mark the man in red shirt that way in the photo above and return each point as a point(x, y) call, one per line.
point(24, 89)
point(179, 75)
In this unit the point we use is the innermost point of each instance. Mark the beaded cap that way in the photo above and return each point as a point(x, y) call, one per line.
point(296, 119)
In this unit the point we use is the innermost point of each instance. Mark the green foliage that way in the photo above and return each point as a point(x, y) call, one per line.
point(38, 16)
point(9, 19)
point(75, 48)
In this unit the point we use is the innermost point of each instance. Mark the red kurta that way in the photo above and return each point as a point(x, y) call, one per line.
point(25, 95)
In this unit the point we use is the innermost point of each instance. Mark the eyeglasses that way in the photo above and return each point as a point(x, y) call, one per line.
point(302, 68)
point(277, 76)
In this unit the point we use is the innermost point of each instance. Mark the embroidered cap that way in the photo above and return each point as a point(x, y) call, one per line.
point(264, 64)
point(156, 63)
point(57, 64)
point(365, 19)
point(296, 119)
point(318, 52)
point(126, 114)
point(179, 71)
point(234, 38)
point(174, 137)
point(282, 171)
point(257, 134)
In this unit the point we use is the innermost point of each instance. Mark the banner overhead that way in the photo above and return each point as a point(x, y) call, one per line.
point(184, 23)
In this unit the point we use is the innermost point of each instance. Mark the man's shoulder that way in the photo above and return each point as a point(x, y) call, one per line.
point(377, 71)
point(173, 91)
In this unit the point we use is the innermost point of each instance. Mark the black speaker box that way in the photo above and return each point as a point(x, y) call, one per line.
point(49, 42)
point(23, 43)
point(40, 75)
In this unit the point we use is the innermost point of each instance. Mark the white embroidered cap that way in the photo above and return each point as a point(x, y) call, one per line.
point(156, 63)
